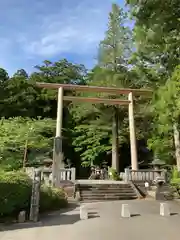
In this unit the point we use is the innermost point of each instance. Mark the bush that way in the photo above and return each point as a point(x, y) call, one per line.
point(15, 195)
point(175, 173)
point(52, 199)
point(113, 174)
point(175, 177)
point(15, 192)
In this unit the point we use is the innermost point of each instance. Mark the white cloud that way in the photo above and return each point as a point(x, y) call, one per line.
point(41, 29)
point(76, 31)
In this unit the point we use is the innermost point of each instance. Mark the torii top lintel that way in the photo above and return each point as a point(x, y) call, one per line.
point(85, 88)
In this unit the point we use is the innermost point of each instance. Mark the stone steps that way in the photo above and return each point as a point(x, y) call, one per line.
point(104, 192)
point(106, 198)
point(105, 186)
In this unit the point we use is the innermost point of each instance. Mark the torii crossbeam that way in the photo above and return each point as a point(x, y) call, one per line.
point(84, 88)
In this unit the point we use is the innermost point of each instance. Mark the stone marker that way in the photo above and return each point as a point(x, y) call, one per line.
point(83, 213)
point(164, 210)
point(22, 217)
point(125, 212)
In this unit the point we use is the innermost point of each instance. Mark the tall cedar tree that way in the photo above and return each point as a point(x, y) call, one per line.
point(114, 52)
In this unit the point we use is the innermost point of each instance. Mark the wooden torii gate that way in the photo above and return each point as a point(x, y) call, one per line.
point(57, 160)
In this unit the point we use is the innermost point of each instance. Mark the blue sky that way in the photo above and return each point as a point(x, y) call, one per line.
point(32, 31)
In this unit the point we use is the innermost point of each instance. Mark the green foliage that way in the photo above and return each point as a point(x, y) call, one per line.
point(21, 73)
point(20, 97)
point(115, 49)
point(14, 134)
point(165, 110)
point(21, 102)
point(52, 199)
point(113, 175)
point(150, 61)
point(175, 173)
point(61, 71)
point(93, 133)
point(92, 142)
point(16, 190)
point(3, 75)
point(175, 180)
point(157, 36)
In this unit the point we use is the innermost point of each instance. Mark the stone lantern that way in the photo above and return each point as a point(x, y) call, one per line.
point(157, 163)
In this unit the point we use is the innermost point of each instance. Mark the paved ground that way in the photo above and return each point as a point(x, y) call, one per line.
point(105, 223)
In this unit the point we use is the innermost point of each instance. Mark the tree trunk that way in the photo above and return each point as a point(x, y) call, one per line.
point(115, 140)
point(177, 145)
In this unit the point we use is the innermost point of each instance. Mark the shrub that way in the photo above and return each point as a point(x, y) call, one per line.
point(113, 174)
point(15, 192)
point(52, 198)
point(15, 195)
point(175, 177)
point(175, 173)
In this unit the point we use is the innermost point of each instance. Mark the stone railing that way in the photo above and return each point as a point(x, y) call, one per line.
point(64, 174)
point(148, 175)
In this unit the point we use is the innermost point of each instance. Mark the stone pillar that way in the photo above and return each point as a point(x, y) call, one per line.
point(73, 174)
point(34, 209)
point(134, 161)
point(126, 174)
point(58, 152)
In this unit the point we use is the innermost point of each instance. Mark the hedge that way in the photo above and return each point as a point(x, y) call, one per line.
point(15, 195)
point(52, 199)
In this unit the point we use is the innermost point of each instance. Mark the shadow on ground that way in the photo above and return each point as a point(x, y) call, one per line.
point(61, 217)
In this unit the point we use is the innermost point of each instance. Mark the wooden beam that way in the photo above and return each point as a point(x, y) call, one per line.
point(97, 100)
point(85, 88)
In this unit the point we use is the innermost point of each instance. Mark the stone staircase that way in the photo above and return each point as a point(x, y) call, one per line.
point(105, 191)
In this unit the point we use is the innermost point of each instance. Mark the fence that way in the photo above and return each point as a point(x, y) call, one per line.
point(66, 175)
point(62, 174)
point(142, 175)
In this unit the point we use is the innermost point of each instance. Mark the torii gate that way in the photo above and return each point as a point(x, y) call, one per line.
point(57, 161)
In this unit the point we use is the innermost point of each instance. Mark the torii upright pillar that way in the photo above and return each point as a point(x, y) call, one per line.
point(58, 151)
point(134, 161)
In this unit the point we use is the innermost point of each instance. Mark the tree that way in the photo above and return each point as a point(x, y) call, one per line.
point(114, 54)
point(3, 75)
point(157, 35)
point(157, 55)
point(116, 48)
point(21, 73)
point(20, 98)
point(14, 134)
point(61, 71)
point(166, 123)
point(95, 120)
point(3, 83)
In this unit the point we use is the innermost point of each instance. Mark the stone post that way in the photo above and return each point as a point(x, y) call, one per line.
point(73, 174)
point(34, 209)
point(126, 175)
